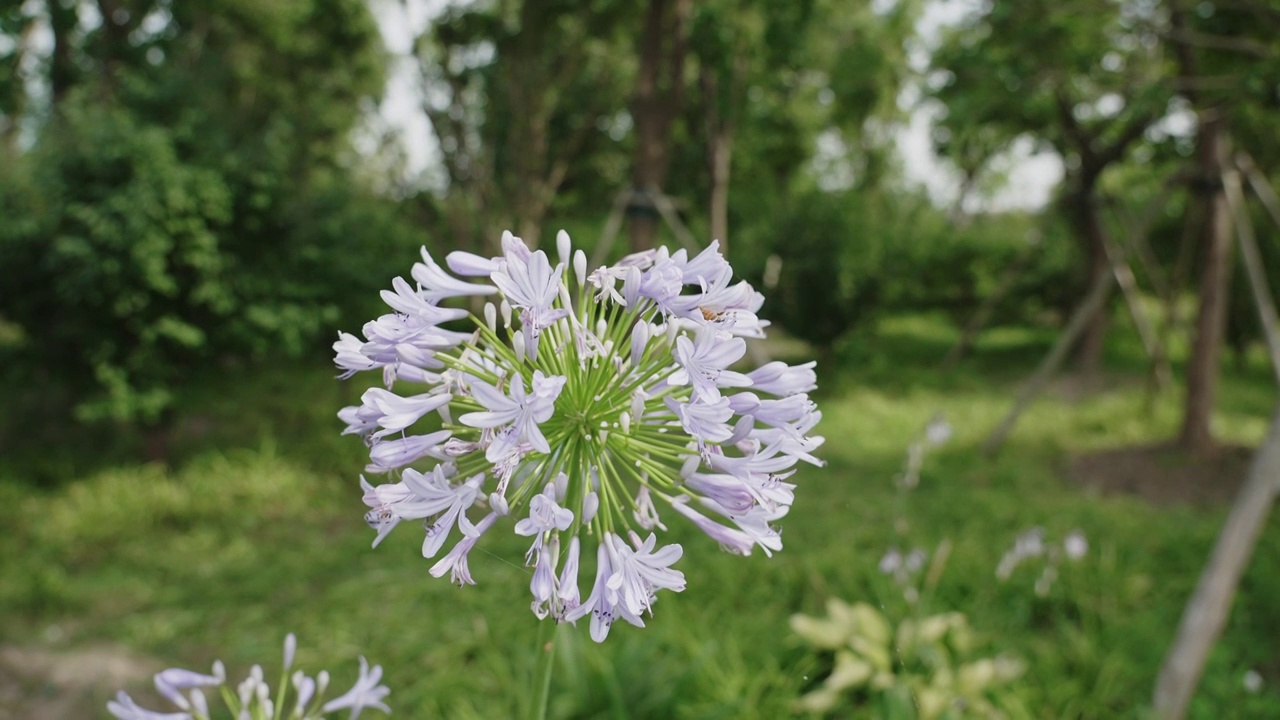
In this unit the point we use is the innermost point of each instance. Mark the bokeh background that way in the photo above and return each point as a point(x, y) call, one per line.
point(196, 195)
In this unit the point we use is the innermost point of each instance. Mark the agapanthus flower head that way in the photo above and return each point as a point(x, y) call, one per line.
point(253, 698)
point(583, 405)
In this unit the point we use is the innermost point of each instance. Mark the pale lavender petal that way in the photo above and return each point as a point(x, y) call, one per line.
point(124, 708)
point(366, 693)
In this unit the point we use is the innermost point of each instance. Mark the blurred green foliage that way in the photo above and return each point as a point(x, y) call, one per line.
point(174, 214)
point(921, 669)
point(850, 257)
point(257, 531)
point(181, 192)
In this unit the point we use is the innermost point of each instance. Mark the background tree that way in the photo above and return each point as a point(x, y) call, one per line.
point(746, 53)
point(1080, 78)
point(655, 106)
point(1222, 52)
point(516, 95)
point(187, 193)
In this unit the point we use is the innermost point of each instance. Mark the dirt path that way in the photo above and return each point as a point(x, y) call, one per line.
point(43, 684)
point(1164, 475)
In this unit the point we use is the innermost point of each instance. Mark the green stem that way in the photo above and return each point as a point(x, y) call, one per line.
point(546, 650)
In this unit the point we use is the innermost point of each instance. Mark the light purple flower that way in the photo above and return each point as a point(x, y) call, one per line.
point(545, 515)
point(706, 269)
point(391, 454)
point(437, 284)
point(567, 591)
point(305, 688)
point(459, 497)
point(704, 365)
point(124, 708)
point(662, 282)
point(253, 698)
point(785, 412)
point(1075, 545)
point(778, 378)
point(705, 422)
point(638, 574)
point(763, 462)
point(170, 683)
point(471, 265)
point(756, 524)
point(627, 400)
point(522, 412)
point(646, 514)
point(533, 286)
point(731, 540)
point(727, 490)
point(601, 604)
point(392, 412)
point(455, 562)
point(348, 355)
point(367, 693)
point(381, 516)
point(543, 583)
point(408, 301)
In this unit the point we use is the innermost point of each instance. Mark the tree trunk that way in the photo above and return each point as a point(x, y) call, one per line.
point(62, 70)
point(656, 105)
point(1208, 608)
point(1088, 221)
point(719, 143)
point(1097, 297)
point(1215, 262)
point(721, 154)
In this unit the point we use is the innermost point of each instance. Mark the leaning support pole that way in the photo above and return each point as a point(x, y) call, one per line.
point(1160, 368)
point(663, 205)
point(1260, 186)
point(611, 227)
point(1035, 385)
point(1253, 267)
point(1206, 611)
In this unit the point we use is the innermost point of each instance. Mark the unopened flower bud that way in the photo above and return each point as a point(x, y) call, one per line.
point(491, 316)
point(580, 267)
point(517, 344)
point(563, 246)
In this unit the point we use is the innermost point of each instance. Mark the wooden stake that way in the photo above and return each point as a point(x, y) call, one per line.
point(1160, 368)
point(1253, 267)
point(1035, 385)
point(1206, 611)
point(1260, 186)
point(611, 227)
point(613, 224)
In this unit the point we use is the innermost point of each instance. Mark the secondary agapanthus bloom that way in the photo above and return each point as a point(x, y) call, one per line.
point(253, 698)
point(582, 405)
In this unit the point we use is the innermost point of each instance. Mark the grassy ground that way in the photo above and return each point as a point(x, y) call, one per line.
point(256, 530)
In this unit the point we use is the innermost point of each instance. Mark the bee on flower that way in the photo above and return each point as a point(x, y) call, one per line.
point(584, 406)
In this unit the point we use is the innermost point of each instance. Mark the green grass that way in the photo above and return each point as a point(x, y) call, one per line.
point(256, 530)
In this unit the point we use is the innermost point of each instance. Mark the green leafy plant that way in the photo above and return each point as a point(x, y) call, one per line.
point(920, 669)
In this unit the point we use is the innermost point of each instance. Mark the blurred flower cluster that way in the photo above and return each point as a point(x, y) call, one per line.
point(920, 669)
point(581, 404)
point(905, 566)
point(1031, 545)
point(253, 698)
